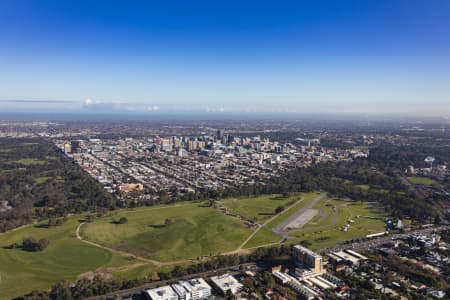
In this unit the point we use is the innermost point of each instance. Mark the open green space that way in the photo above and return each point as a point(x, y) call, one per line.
point(326, 228)
point(305, 199)
point(44, 179)
point(41, 179)
point(422, 180)
point(364, 186)
point(258, 208)
point(169, 233)
point(31, 161)
point(265, 235)
point(64, 259)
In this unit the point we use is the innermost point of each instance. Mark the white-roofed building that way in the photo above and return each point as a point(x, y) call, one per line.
point(353, 260)
point(182, 293)
point(162, 293)
point(195, 289)
point(226, 282)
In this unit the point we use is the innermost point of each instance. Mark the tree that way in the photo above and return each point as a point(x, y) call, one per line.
point(268, 280)
point(42, 244)
point(229, 295)
point(305, 243)
point(437, 220)
point(30, 244)
point(123, 220)
point(248, 283)
point(279, 209)
point(178, 271)
point(61, 291)
point(163, 196)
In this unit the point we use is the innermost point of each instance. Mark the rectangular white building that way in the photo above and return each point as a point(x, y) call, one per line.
point(227, 282)
point(162, 293)
point(194, 289)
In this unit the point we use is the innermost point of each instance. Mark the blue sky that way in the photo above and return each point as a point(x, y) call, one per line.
point(306, 56)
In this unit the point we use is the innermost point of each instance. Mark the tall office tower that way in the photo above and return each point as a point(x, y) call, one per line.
point(220, 134)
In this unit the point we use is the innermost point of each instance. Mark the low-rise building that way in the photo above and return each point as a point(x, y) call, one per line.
point(195, 289)
point(162, 293)
point(227, 283)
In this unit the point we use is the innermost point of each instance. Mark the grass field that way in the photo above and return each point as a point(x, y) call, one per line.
point(31, 161)
point(325, 229)
point(259, 208)
point(265, 236)
point(41, 179)
point(64, 259)
point(194, 230)
point(364, 186)
point(422, 180)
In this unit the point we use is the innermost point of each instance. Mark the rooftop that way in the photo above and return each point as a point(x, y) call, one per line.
point(162, 293)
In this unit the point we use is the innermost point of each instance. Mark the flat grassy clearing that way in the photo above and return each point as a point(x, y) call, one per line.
point(325, 230)
point(31, 161)
point(263, 237)
point(259, 208)
point(364, 186)
point(41, 179)
point(64, 259)
point(422, 180)
point(194, 230)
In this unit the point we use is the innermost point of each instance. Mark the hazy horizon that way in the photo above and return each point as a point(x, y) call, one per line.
point(370, 57)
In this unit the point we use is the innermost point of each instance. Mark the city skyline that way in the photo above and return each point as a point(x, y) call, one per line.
point(328, 56)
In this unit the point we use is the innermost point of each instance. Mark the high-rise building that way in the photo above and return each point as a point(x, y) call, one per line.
point(75, 146)
point(220, 134)
point(307, 258)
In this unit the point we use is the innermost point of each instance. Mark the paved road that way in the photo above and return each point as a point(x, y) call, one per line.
point(233, 270)
point(279, 228)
